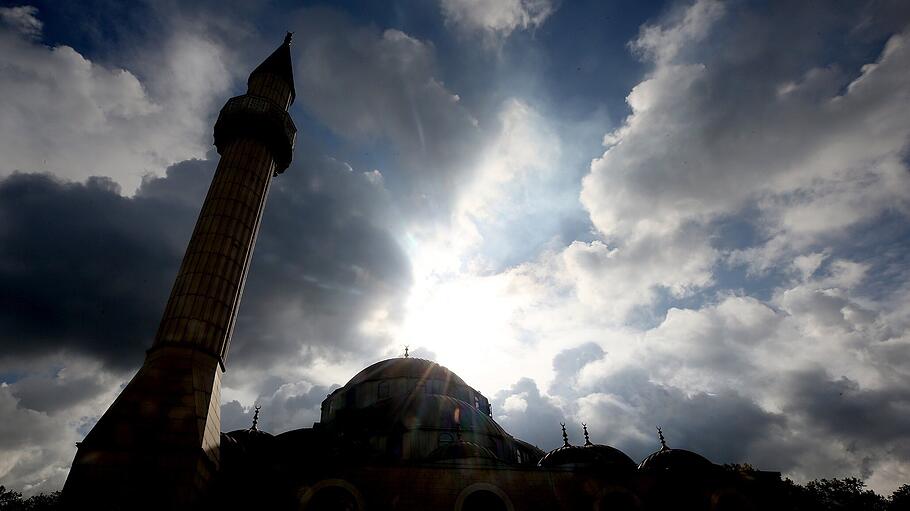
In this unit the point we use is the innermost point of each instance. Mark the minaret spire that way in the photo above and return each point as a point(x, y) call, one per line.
point(275, 75)
point(587, 440)
point(255, 419)
point(663, 441)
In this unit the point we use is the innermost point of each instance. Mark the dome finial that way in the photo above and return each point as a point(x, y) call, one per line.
point(406, 351)
point(663, 441)
point(255, 419)
point(565, 436)
point(585, 428)
point(287, 38)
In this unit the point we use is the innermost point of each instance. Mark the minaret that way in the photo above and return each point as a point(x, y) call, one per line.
point(157, 446)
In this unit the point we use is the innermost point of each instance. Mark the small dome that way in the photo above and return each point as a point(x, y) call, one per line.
point(675, 460)
point(461, 450)
point(406, 368)
point(245, 442)
point(594, 456)
point(558, 456)
point(249, 436)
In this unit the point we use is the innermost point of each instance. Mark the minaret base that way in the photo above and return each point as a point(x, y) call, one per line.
point(157, 445)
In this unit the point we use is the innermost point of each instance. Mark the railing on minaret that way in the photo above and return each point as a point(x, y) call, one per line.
point(158, 444)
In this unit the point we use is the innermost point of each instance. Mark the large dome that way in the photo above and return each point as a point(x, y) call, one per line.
point(399, 378)
point(461, 450)
point(417, 368)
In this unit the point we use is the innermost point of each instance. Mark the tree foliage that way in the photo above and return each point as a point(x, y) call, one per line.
point(900, 499)
point(847, 494)
point(12, 501)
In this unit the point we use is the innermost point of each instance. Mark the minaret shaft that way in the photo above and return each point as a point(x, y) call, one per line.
point(203, 304)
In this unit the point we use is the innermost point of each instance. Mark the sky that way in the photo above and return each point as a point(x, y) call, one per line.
point(691, 214)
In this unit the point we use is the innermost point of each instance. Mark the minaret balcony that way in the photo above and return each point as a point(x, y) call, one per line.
point(250, 116)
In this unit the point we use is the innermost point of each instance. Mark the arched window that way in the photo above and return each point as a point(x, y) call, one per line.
point(483, 500)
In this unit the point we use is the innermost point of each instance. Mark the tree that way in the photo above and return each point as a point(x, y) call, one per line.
point(12, 501)
point(900, 499)
point(848, 494)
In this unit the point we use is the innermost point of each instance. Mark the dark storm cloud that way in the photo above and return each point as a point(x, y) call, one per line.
point(45, 394)
point(83, 269)
point(86, 270)
point(325, 259)
point(853, 414)
point(726, 427)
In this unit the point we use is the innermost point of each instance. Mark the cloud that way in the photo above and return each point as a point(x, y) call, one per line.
point(75, 118)
point(568, 364)
point(744, 346)
point(809, 376)
point(619, 279)
point(497, 18)
point(812, 148)
point(326, 263)
point(290, 406)
point(528, 415)
point(324, 247)
point(803, 386)
point(23, 18)
point(27, 435)
point(392, 94)
point(725, 427)
point(45, 413)
point(662, 42)
point(99, 264)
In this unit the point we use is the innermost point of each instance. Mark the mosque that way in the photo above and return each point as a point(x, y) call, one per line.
point(402, 434)
point(409, 434)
